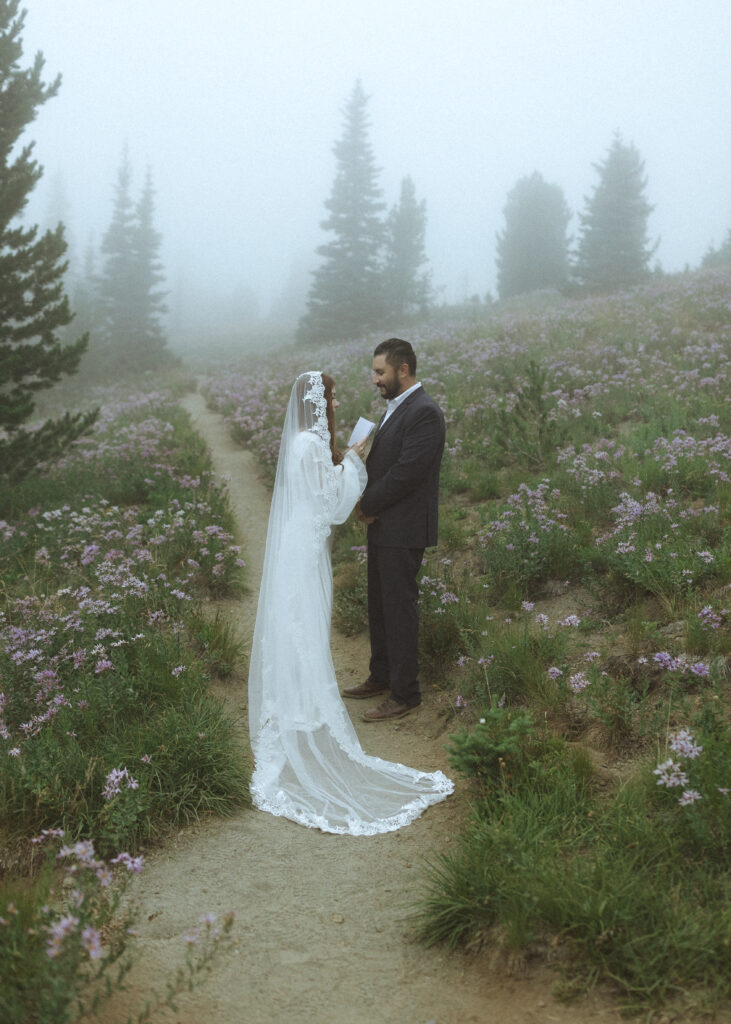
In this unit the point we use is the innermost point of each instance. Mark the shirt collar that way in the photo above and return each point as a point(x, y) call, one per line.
point(393, 403)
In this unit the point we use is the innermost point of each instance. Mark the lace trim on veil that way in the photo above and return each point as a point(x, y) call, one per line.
point(316, 395)
point(282, 806)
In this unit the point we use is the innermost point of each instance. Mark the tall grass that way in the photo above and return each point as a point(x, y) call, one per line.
point(624, 886)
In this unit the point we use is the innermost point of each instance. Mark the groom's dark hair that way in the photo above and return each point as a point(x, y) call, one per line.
point(397, 351)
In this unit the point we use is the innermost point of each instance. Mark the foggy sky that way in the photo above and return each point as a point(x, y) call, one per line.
point(235, 105)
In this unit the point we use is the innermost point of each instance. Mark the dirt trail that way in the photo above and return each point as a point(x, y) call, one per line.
point(322, 925)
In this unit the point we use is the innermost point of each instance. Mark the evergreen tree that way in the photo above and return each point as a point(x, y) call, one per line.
point(132, 304)
point(86, 299)
point(613, 247)
point(720, 257)
point(407, 286)
point(532, 251)
point(34, 308)
point(116, 285)
point(148, 305)
point(346, 294)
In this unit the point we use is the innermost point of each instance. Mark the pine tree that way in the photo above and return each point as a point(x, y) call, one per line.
point(132, 303)
point(346, 295)
point(720, 257)
point(34, 308)
point(86, 300)
point(116, 287)
point(613, 249)
point(532, 251)
point(148, 338)
point(407, 286)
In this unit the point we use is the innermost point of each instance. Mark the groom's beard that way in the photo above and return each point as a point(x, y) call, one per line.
point(388, 391)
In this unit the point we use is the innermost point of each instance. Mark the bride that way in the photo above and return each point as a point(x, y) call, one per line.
point(309, 764)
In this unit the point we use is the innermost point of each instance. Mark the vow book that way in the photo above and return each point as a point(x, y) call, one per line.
point(362, 429)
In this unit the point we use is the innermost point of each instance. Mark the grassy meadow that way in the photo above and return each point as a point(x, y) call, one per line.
point(574, 637)
point(110, 736)
point(574, 623)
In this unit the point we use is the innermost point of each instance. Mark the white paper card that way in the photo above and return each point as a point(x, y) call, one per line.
point(362, 429)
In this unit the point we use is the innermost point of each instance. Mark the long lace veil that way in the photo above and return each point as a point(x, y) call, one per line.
point(306, 412)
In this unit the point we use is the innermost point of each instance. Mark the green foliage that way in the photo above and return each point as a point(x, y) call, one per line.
point(613, 251)
point(49, 950)
point(346, 297)
point(407, 286)
point(515, 656)
point(63, 956)
point(34, 309)
point(497, 745)
point(527, 429)
point(528, 542)
point(350, 600)
point(532, 250)
point(707, 631)
point(662, 549)
point(105, 652)
point(620, 707)
point(445, 617)
point(626, 887)
point(720, 257)
point(217, 643)
point(132, 335)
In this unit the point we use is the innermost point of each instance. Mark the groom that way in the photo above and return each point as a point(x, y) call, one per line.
point(399, 505)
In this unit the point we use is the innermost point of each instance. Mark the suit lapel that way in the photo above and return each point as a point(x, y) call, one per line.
point(381, 429)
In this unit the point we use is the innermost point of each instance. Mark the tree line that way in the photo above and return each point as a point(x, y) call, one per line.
point(374, 269)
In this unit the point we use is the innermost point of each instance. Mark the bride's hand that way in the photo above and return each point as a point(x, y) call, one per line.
point(359, 448)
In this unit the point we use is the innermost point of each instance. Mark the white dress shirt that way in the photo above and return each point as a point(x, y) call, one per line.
point(393, 403)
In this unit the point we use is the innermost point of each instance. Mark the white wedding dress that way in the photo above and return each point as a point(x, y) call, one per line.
point(309, 764)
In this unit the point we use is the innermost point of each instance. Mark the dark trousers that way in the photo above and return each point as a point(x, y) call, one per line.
point(393, 618)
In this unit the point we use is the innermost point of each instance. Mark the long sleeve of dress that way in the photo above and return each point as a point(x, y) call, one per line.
point(351, 484)
point(329, 492)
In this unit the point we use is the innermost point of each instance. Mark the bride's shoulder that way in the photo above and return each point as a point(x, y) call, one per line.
point(308, 440)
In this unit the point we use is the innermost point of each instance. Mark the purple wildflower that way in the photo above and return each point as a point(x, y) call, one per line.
point(670, 774)
point(683, 743)
point(689, 797)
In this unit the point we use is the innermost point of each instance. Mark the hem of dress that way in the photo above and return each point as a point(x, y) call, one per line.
point(357, 828)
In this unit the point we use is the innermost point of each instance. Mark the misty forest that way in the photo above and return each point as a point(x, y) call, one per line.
point(574, 641)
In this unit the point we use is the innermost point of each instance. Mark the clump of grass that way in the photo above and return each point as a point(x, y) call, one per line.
point(545, 859)
point(528, 541)
point(217, 643)
point(350, 598)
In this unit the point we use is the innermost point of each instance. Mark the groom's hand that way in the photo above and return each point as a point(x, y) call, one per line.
point(362, 517)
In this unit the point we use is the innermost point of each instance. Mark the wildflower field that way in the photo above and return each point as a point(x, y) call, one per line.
point(574, 623)
point(109, 737)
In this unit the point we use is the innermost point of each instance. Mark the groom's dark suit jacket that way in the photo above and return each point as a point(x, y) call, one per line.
point(403, 475)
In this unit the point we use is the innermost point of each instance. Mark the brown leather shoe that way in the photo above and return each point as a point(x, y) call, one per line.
point(390, 708)
point(366, 689)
